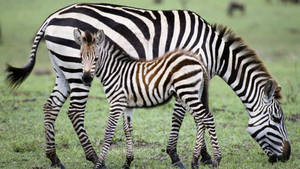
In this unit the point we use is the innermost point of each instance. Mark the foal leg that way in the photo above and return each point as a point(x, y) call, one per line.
point(116, 110)
point(206, 159)
point(204, 119)
point(127, 130)
point(78, 99)
point(208, 121)
point(201, 114)
point(177, 118)
point(200, 147)
point(198, 143)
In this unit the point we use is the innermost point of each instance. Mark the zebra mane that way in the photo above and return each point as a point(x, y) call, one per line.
point(230, 37)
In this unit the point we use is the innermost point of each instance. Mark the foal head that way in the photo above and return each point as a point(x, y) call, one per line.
point(90, 44)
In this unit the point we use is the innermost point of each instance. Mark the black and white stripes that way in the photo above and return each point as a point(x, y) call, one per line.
point(134, 83)
point(147, 34)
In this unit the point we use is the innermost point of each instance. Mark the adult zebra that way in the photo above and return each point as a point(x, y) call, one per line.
point(146, 34)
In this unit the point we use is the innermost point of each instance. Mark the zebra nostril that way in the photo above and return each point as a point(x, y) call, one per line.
point(87, 78)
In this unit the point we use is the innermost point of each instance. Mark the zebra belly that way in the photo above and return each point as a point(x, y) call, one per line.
point(149, 98)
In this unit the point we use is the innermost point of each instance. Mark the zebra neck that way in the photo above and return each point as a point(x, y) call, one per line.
point(110, 63)
point(244, 72)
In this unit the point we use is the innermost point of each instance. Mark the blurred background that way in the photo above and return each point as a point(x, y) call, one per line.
point(270, 27)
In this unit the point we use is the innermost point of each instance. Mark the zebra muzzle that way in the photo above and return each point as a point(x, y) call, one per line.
point(87, 78)
point(285, 153)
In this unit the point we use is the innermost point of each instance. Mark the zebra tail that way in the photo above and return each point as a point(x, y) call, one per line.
point(15, 76)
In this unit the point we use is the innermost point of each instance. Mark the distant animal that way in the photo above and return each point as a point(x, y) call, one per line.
point(285, 1)
point(145, 35)
point(295, 1)
point(158, 1)
point(133, 84)
point(183, 4)
point(236, 6)
point(0, 34)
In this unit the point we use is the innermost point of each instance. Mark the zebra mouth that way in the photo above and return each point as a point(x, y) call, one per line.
point(273, 158)
point(87, 78)
point(285, 154)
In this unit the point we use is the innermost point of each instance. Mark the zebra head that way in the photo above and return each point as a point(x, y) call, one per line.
point(266, 124)
point(88, 51)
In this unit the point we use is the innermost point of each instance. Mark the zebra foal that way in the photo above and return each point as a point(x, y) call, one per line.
point(129, 83)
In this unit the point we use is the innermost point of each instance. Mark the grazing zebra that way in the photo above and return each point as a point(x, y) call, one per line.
point(131, 83)
point(147, 34)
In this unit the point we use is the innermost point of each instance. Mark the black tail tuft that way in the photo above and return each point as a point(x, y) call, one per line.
point(16, 76)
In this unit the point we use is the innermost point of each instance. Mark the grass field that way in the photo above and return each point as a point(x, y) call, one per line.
point(273, 30)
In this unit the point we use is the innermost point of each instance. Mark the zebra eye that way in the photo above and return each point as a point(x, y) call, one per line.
point(276, 115)
point(275, 119)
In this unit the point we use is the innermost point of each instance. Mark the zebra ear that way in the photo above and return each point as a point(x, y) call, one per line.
point(269, 90)
point(100, 36)
point(77, 36)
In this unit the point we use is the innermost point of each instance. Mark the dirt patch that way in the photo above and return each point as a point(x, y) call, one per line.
point(25, 93)
point(216, 110)
point(29, 100)
point(159, 156)
point(41, 72)
point(294, 30)
point(38, 167)
point(97, 97)
point(146, 144)
point(293, 118)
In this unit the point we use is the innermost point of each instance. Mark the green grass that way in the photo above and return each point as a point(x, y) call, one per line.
point(273, 30)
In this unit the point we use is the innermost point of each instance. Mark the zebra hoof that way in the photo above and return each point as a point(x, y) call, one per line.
point(179, 165)
point(195, 165)
point(93, 158)
point(58, 165)
point(215, 164)
point(126, 167)
point(206, 161)
point(100, 167)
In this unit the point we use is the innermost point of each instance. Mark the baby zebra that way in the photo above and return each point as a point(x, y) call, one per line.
point(129, 83)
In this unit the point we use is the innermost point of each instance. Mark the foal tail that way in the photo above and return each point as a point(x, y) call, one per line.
point(15, 76)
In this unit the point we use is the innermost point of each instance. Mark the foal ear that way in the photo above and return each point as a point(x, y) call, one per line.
point(269, 90)
point(100, 36)
point(77, 36)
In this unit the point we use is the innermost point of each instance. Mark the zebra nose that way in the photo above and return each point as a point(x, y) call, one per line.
point(87, 78)
point(286, 147)
point(286, 151)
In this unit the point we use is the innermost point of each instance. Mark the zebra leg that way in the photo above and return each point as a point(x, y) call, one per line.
point(127, 130)
point(198, 144)
point(206, 158)
point(201, 113)
point(177, 118)
point(51, 109)
point(114, 116)
point(200, 147)
point(208, 121)
point(78, 99)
